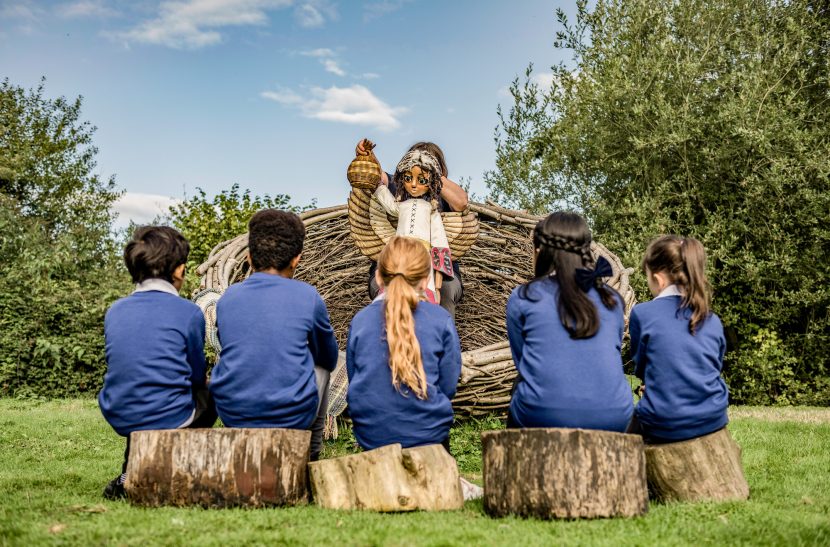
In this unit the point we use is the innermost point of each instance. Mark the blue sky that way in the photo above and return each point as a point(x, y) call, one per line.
point(274, 94)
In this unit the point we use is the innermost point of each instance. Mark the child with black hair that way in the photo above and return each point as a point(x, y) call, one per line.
point(678, 346)
point(278, 346)
point(565, 329)
point(154, 347)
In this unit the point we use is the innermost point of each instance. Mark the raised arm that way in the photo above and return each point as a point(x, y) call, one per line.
point(454, 195)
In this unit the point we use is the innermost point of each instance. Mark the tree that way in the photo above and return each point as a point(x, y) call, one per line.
point(707, 119)
point(206, 223)
point(58, 267)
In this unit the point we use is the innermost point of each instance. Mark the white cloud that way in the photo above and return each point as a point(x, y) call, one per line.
point(141, 208)
point(544, 80)
point(314, 13)
point(369, 76)
point(85, 8)
point(355, 105)
point(193, 24)
point(19, 10)
point(331, 66)
point(375, 10)
point(319, 52)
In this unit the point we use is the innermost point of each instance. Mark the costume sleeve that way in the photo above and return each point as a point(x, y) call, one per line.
point(321, 340)
point(449, 365)
point(638, 345)
point(196, 349)
point(387, 200)
point(515, 328)
point(440, 251)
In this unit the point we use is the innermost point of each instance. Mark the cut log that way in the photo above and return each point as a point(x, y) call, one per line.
point(389, 479)
point(218, 467)
point(706, 468)
point(564, 473)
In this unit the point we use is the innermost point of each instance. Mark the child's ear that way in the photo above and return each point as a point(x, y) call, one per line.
point(248, 259)
point(295, 261)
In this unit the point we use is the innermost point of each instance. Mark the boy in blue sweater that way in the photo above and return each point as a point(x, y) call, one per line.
point(278, 346)
point(154, 347)
point(678, 347)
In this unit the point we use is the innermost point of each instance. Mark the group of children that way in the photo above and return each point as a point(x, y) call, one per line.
point(403, 355)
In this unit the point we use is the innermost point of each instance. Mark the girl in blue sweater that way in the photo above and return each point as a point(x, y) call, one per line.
point(403, 356)
point(565, 329)
point(678, 346)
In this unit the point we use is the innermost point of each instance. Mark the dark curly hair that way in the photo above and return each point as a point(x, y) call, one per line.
point(563, 243)
point(155, 252)
point(274, 238)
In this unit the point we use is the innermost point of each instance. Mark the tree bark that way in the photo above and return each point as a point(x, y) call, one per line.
point(706, 468)
point(218, 467)
point(389, 479)
point(564, 473)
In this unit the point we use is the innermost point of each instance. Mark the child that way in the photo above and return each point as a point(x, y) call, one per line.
point(403, 357)
point(154, 347)
point(452, 197)
point(565, 329)
point(278, 346)
point(678, 346)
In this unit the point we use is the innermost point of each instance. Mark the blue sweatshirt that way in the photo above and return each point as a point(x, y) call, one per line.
point(273, 331)
point(155, 358)
point(685, 395)
point(565, 382)
point(380, 413)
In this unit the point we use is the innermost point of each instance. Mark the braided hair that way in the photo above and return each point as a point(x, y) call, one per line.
point(563, 244)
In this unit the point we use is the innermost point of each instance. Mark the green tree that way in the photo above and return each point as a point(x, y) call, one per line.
point(206, 223)
point(58, 267)
point(707, 119)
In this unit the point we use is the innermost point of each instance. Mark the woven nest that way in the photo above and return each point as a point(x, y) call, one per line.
point(498, 262)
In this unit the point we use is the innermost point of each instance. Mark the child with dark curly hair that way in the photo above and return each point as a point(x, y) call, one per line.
point(278, 346)
point(154, 347)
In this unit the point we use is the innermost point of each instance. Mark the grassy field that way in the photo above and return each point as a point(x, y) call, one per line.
point(56, 456)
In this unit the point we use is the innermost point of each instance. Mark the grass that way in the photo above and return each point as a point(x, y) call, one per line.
point(56, 456)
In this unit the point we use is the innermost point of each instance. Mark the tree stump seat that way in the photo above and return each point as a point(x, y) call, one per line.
point(705, 468)
point(389, 479)
point(220, 467)
point(564, 473)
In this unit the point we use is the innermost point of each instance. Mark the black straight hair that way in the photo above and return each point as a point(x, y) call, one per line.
point(562, 242)
point(155, 252)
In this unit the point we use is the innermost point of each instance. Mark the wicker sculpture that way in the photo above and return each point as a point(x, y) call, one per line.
point(498, 261)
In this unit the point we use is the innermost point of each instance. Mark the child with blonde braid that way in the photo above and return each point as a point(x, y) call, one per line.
point(403, 356)
point(678, 346)
point(565, 329)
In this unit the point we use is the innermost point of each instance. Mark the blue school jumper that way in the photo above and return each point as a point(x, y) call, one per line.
point(155, 359)
point(565, 382)
point(380, 413)
point(273, 331)
point(685, 396)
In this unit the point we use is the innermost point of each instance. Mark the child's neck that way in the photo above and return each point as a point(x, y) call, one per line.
point(287, 273)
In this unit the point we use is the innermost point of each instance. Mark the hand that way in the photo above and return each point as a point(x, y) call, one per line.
point(641, 390)
point(364, 147)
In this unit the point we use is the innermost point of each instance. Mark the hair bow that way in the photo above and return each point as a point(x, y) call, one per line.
point(586, 278)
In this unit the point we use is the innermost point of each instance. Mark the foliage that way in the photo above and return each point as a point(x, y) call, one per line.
point(707, 119)
point(57, 268)
point(56, 456)
point(207, 223)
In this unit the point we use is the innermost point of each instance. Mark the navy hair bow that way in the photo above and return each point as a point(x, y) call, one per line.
point(586, 278)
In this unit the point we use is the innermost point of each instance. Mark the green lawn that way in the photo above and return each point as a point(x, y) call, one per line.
point(56, 456)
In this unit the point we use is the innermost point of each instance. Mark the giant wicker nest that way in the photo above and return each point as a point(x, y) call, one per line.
point(499, 260)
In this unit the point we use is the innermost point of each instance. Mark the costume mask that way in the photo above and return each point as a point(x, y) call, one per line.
point(416, 182)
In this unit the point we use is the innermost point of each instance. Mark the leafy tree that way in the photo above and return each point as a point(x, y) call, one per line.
point(707, 119)
point(58, 266)
point(206, 223)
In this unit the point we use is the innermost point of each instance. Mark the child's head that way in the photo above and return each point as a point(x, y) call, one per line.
point(403, 270)
point(418, 175)
point(680, 261)
point(275, 239)
point(156, 252)
point(562, 242)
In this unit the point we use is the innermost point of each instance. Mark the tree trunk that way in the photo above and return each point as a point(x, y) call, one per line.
point(389, 479)
point(564, 473)
point(706, 468)
point(218, 467)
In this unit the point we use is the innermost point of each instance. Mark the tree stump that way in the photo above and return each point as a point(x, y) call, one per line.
point(218, 467)
point(564, 473)
point(389, 479)
point(706, 468)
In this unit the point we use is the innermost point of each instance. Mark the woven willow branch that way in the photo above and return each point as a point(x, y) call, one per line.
point(498, 262)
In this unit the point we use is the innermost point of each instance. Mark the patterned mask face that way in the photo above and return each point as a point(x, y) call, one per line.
point(416, 182)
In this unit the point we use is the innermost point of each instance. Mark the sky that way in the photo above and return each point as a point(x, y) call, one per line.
point(274, 94)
